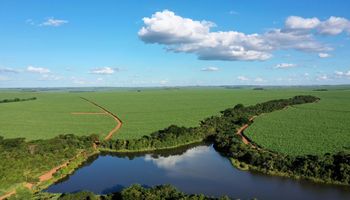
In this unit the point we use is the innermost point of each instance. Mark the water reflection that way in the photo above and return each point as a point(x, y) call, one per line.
point(198, 169)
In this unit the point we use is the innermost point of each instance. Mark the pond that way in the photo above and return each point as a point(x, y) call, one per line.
point(198, 169)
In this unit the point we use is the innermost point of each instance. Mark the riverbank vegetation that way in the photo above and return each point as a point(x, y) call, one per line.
point(132, 192)
point(171, 137)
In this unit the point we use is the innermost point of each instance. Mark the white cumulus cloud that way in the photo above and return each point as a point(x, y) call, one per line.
point(180, 34)
point(324, 55)
point(210, 69)
point(243, 78)
point(167, 28)
point(163, 82)
point(342, 74)
point(50, 77)
point(300, 41)
point(54, 22)
point(296, 22)
point(186, 35)
point(334, 26)
point(39, 70)
point(103, 70)
point(322, 77)
point(285, 65)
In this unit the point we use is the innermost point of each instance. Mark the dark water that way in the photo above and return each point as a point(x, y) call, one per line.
point(198, 169)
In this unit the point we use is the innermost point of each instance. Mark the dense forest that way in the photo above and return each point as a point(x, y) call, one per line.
point(16, 100)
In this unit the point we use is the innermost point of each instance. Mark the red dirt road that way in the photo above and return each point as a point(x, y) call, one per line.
point(8, 195)
point(116, 118)
point(240, 131)
point(48, 175)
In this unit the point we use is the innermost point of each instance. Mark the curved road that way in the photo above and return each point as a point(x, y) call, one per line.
point(116, 118)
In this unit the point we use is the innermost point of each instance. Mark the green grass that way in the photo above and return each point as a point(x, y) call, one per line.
point(317, 128)
point(50, 115)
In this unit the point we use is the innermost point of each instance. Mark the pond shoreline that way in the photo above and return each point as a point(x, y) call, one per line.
point(235, 162)
point(105, 174)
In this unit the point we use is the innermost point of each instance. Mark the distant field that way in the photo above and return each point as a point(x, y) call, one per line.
point(153, 109)
point(307, 129)
point(142, 112)
point(49, 115)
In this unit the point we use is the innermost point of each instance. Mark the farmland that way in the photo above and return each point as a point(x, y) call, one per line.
point(141, 112)
point(152, 109)
point(312, 128)
point(49, 116)
point(317, 128)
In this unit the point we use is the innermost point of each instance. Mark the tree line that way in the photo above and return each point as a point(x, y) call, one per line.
point(133, 192)
point(17, 100)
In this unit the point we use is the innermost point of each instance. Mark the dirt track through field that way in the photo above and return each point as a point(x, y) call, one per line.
point(8, 195)
point(240, 131)
point(116, 118)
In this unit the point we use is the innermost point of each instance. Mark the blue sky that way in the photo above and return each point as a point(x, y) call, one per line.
point(173, 43)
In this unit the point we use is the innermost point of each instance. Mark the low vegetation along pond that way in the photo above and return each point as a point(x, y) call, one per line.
point(192, 169)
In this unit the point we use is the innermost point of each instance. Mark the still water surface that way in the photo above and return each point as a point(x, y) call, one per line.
point(197, 169)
